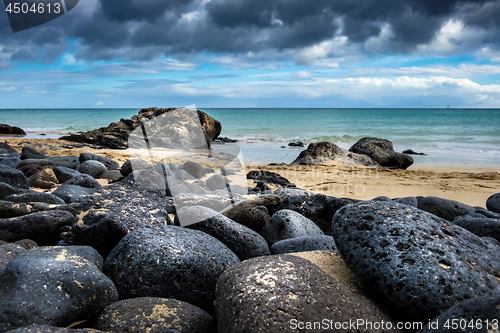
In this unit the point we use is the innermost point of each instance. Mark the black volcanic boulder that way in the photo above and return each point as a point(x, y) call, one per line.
point(282, 293)
point(478, 315)
point(154, 315)
point(108, 162)
point(480, 225)
point(11, 130)
point(328, 152)
point(493, 203)
point(423, 264)
point(444, 208)
point(116, 135)
point(55, 286)
point(112, 211)
point(13, 177)
point(243, 241)
point(382, 152)
point(174, 262)
point(42, 227)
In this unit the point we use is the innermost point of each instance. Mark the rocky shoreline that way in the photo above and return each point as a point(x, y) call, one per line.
point(184, 247)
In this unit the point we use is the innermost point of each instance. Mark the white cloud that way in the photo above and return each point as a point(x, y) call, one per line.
point(99, 104)
point(9, 89)
point(454, 37)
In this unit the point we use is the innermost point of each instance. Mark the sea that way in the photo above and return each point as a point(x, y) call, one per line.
point(446, 136)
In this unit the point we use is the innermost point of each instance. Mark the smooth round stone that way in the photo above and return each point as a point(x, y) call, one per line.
point(289, 224)
point(92, 168)
point(175, 263)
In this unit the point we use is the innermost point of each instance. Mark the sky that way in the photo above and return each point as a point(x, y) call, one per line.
point(256, 53)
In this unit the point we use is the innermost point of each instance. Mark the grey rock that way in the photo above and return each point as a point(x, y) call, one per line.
point(28, 244)
point(34, 196)
point(182, 174)
point(382, 152)
point(480, 225)
point(272, 293)
point(44, 162)
point(44, 179)
point(269, 177)
point(7, 252)
point(304, 244)
point(154, 315)
point(42, 227)
point(487, 213)
point(216, 182)
point(13, 162)
point(327, 152)
point(195, 169)
point(319, 208)
point(55, 285)
point(92, 168)
point(445, 208)
point(72, 193)
point(111, 175)
point(7, 189)
point(113, 211)
point(29, 152)
point(83, 180)
point(172, 263)
point(177, 187)
point(69, 161)
point(410, 201)
point(286, 224)
point(479, 314)
point(244, 242)
point(108, 162)
point(13, 177)
point(418, 261)
point(64, 174)
point(6, 146)
point(493, 203)
point(382, 198)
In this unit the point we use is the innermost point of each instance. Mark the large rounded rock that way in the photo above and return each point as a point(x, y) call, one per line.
point(6, 189)
point(30, 152)
point(42, 227)
point(154, 315)
point(216, 182)
point(445, 208)
point(13, 177)
point(175, 263)
point(70, 161)
point(420, 262)
point(493, 203)
point(134, 165)
point(11, 130)
point(382, 152)
point(195, 169)
point(283, 294)
point(56, 286)
point(108, 163)
point(328, 152)
point(83, 180)
point(113, 211)
point(92, 168)
point(478, 315)
point(286, 224)
point(244, 242)
point(7, 252)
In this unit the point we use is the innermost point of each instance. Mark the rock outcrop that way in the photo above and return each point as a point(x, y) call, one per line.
point(116, 135)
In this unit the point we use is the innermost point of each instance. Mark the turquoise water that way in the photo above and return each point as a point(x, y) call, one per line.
point(448, 136)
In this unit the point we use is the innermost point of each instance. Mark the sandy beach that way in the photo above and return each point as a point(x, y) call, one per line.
point(471, 185)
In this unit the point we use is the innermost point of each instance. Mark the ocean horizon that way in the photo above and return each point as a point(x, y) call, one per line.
point(448, 136)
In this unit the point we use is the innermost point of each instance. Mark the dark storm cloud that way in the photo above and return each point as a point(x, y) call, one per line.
point(145, 29)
